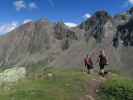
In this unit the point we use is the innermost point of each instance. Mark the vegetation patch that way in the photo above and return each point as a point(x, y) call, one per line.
point(56, 84)
point(117, 89)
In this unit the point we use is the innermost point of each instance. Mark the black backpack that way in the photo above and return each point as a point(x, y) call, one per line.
point(104, 60)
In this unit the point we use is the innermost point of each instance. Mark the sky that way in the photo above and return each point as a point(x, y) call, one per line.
point(13, 13)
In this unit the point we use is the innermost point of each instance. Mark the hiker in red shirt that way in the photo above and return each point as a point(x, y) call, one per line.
point(88, 63)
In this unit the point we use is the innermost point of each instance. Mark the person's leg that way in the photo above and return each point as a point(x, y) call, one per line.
point(102, 69)
point(91, 69)
point(88, 68)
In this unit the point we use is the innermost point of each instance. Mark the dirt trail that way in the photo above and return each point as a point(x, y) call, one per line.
point(93, 87)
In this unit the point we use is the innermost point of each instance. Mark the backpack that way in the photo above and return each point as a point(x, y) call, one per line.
point(89, 61)
point(104, 60)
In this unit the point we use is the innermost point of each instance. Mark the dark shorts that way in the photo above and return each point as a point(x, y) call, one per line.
point(102, 66)
point(89, 67)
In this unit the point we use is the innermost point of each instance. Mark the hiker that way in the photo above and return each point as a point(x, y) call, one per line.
point(102, 60)
point(88, 63)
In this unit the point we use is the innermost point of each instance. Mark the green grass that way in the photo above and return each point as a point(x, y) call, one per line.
point(65, 84)
point(118, 88)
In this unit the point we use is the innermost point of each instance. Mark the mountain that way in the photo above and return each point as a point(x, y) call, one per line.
point(56, 45)
point(123, 40)
point(35, 42)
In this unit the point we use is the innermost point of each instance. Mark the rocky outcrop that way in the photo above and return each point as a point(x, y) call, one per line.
point(12, 75)
point(22, 45)
point(94, 26)
point(124, 34)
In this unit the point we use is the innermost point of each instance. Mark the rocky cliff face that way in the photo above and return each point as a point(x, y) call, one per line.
point(96, 25)
point(123, 40)
point(33, 42)
point(56, 45)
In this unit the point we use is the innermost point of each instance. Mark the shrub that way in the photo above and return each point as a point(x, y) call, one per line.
point(117, 89)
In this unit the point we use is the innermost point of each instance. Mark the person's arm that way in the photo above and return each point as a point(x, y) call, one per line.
point(91, 61)
point(107, 60)
point(85, 62)
point(97, 60)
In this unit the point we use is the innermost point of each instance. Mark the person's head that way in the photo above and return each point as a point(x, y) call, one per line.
point(102, 52)
point(87, 55)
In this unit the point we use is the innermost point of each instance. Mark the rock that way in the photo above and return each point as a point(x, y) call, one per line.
point(50, 75)
point(12, 74)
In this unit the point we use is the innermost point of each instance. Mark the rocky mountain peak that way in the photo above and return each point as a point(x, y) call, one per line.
point(94, 26)
point(130, 10)
point(102, 15)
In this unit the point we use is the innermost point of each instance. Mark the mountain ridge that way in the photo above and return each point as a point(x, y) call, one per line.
point(57, 45)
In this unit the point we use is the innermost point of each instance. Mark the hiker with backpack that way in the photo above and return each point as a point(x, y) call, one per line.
point(102, 60)
point(88, 63)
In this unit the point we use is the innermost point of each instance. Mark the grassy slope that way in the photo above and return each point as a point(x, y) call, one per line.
point(117, 88)
point(63, 85)
point(66, 84)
